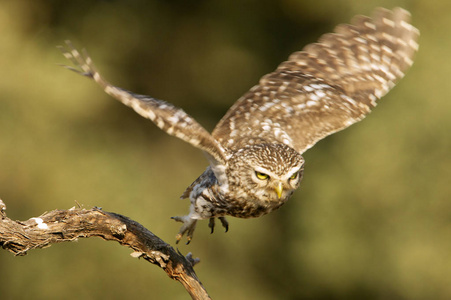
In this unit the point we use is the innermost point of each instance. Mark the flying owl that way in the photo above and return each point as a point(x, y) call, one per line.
point(255, 151)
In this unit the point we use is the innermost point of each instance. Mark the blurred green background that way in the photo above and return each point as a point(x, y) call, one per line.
point(372, 219)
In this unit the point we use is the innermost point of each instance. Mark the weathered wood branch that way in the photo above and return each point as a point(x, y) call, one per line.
point(59, 226)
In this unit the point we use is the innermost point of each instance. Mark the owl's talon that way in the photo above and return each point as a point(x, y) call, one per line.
point(211, 224)
point(224, 223)
point(178, 237)
point(178, 219)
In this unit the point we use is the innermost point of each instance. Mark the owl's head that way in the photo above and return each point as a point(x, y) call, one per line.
point(266, 173)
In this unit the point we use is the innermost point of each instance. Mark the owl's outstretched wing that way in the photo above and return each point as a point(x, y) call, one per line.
point(166, 116)
point(326, 87)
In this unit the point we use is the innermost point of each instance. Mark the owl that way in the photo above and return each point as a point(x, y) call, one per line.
point(255, 151)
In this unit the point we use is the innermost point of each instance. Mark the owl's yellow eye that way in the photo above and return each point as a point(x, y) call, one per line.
point(294, 176)
point(261, 176)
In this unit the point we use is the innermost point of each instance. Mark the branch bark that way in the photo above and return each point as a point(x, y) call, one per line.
point(59, 226)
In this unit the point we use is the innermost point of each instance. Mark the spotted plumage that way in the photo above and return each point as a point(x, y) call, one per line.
point(255, 150)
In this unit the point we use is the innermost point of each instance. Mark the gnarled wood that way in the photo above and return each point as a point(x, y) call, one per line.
point(59, 226)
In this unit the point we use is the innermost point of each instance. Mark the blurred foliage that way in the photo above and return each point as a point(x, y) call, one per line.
point(372, 219)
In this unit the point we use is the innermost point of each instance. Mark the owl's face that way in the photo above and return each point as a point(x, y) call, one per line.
point(265, 173)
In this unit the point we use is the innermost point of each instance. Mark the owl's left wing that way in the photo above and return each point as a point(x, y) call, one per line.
point(326, 87)
point(166, 116)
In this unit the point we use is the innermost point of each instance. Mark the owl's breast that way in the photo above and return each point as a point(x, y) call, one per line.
point(250, 207)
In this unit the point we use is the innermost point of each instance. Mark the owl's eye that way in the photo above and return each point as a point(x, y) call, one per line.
point(294, 176)
point(261, 176)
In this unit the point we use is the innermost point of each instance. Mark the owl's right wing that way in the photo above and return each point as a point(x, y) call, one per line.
point(326, 87)
point(166, 116)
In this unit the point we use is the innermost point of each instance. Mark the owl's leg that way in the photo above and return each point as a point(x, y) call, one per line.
point(188, 227)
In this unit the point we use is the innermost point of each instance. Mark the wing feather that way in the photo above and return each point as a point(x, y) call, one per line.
point(166, 116)
point(326, 87)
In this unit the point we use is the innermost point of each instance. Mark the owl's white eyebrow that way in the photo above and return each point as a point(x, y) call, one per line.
point(263, 170)
point(293, 171)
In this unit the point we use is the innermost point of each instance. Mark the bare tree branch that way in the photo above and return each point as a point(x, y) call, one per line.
point(59, 226)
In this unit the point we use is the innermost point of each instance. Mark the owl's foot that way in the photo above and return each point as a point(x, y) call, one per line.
point(224, 224)
point(188, 227)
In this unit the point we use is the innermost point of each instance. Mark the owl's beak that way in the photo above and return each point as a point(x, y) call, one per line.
point(279, 189)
